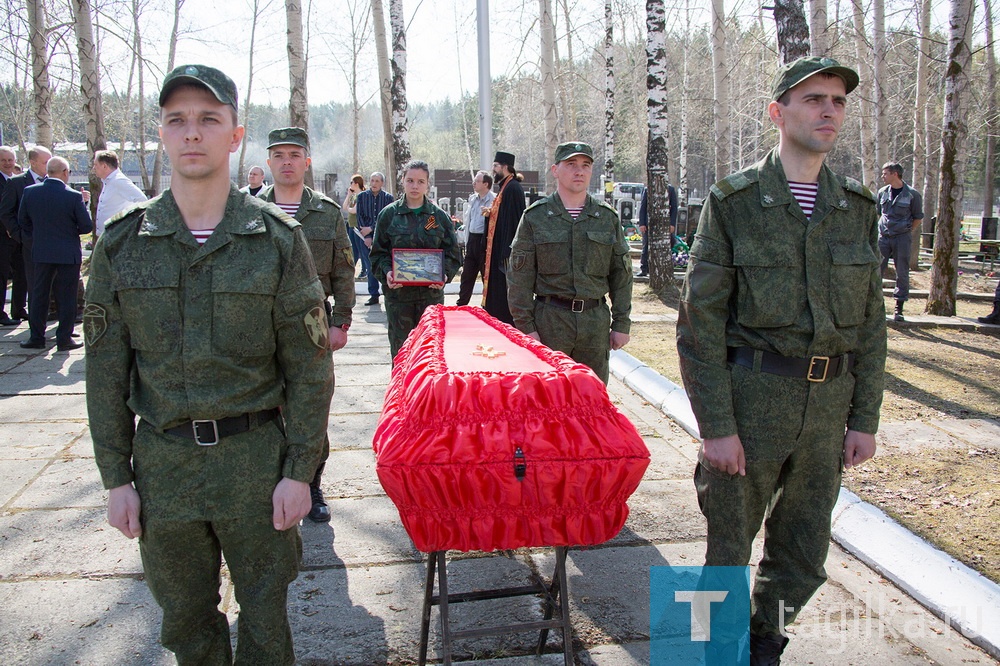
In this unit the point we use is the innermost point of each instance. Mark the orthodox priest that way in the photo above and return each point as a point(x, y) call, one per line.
point(504, 216)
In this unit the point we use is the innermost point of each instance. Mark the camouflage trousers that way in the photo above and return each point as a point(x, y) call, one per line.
point(583, 336)
point(198, 505)
point(403, 316)
point(793, 435)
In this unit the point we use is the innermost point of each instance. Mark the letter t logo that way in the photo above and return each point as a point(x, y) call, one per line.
point(701, 611)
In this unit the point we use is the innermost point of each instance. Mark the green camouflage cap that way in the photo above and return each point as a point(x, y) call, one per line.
point(564, 151)
point(218, 83)
point(797, 71)
point(295, 136)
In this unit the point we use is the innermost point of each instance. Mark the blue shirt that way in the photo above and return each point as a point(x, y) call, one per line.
point(368, 206)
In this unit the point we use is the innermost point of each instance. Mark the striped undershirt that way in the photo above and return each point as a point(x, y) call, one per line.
point(574, 212)
point(201, 235)
point(291, 208)
point(805, 194)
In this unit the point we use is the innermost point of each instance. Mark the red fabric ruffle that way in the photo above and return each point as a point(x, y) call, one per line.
point(454, 418)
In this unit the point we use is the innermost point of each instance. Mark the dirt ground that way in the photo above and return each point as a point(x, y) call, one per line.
point(949, 496)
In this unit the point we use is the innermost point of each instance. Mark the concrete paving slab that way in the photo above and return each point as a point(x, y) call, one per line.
point(9, 361)
point(27, 408)
point(352, 431)
point(355, 400)
point(903, 436)
point(47, 381)
point(109, 621)
point(662, 511)
point(351, 474)
point(366, 531)
point(57, 364)
point(68, 543)
point(65, 483)
point(37, 439)
point(14, 474)
point(977, 433)
point(369, 375)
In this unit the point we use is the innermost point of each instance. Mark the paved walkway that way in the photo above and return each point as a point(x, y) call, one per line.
point(72, 591)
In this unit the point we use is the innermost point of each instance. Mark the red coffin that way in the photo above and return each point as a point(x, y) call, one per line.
point(489, 440)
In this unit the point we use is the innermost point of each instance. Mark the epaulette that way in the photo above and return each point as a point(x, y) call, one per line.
point(127, 211)
point(536, 204)
point(734, 183)
point(858, 187)
point(607, 205)
point(328, 200)
point(282, 216)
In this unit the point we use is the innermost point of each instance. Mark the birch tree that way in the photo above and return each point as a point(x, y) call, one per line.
point(40, 72)
point(90, 89)
point(863, 56)
point(819, 34)
point(793, 31)
point(400, 128)
point(879, 83)
point(171, 57)
point(661, 260)
point(257, 10)
point(944, 272)
point(609, 97)
point(385, 88)
point(682, 166)
point(141, 84)
point(720, 99)
point(548, 88)
point(920, 123)
point(991, 111)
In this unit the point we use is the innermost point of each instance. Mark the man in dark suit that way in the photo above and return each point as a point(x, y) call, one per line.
point(51, 219)
point(7, 244)
point(20, 252)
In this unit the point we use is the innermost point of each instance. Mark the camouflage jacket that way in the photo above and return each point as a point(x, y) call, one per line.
point(555, 255)
point(764, 276)
point(324, 228)
point(176, 331)
point(400, 228)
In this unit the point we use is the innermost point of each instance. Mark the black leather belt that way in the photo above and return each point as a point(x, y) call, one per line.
point(574, 304)
point(814, 368)
point(208, 432)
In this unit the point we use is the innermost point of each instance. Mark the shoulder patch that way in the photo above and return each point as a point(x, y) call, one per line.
point(734, 183)
point(858, 187)
point(129, 211)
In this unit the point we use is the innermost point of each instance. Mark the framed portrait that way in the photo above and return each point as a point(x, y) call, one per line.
point(415, 268)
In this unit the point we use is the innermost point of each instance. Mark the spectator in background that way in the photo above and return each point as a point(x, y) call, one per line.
point(504, 216)
point(369, 205)
point(475, 227)
point(644, 226)
point(356, 187)
point(118, 192)
point(255, 181)
point(900, 209)
point(11, 268)
point(38, 158)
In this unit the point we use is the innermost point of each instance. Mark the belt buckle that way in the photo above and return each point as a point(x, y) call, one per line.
point(812, 365)
point(573, 306)
point(215, 432)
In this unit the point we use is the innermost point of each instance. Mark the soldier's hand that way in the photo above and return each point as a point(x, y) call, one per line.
point(338, 338)
point(390, 281)
point(123, 510)
point(725, 454)
point(858, 447)
point(534, 336)
point(618, 340)
point(436, 285)
point(291, 503)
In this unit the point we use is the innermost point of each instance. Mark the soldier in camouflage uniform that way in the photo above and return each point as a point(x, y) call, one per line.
point(204, 318)
point(569, 253)
point(412, 222)
point(781, 337)
point(288, 159)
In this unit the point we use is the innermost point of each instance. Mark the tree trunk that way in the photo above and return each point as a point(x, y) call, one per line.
point(682, 179)
point(385, 91)
point(793, 31)
point(141, 120)
point(720, 100)
point(991, 111)
point(90, 92)
point(171, 57)
point(944, 273)
point(298, 100)
point(400, 128)
point(661, 261)
point(609, 99)
point(241, 172)
point(819, 33)
point(569, 87)
point(40, 73)
point(879, 80)
point(548, 89)
point(863, 58)
point(920, 127)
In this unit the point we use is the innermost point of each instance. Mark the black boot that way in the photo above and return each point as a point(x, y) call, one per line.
point(899, 311)
point(320, 512)
point(993, 317)
point(766, 650)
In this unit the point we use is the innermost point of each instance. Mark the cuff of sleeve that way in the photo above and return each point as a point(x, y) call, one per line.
point(118, 476)
point(298, 470)
point(621, 326)
point(868, 426)
point(717, 429)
